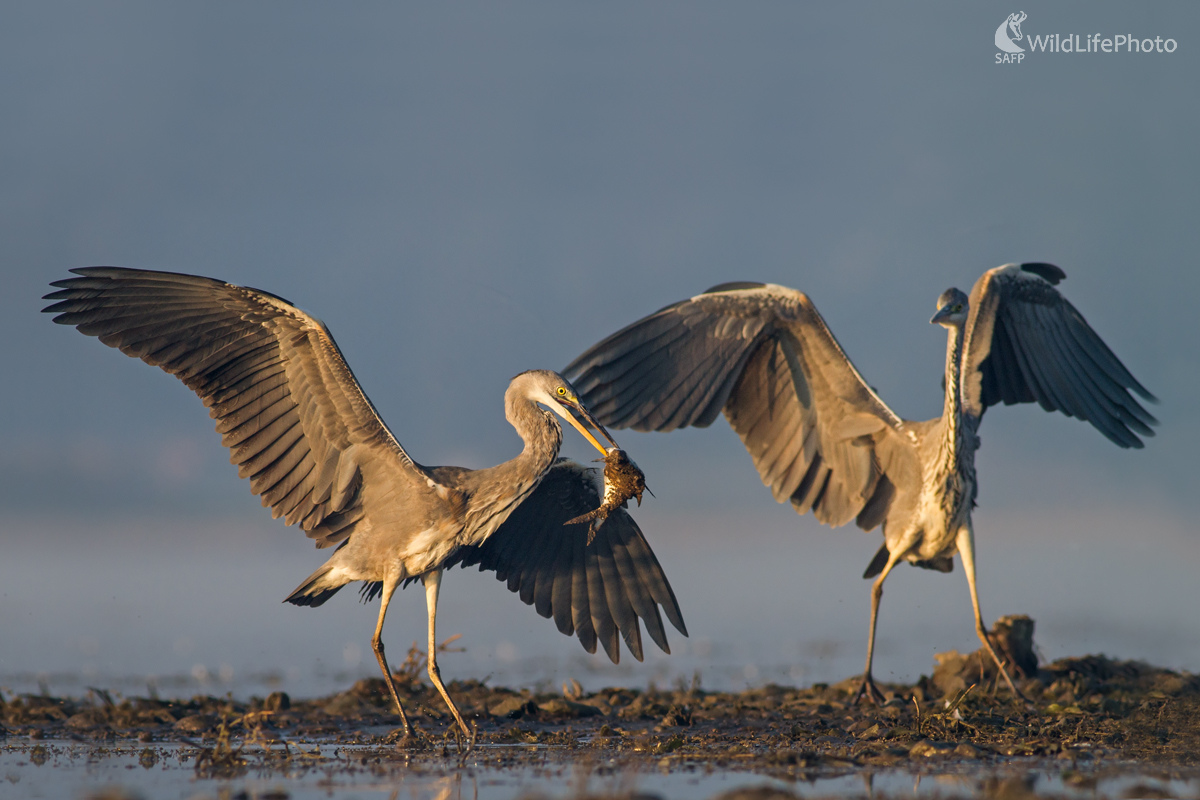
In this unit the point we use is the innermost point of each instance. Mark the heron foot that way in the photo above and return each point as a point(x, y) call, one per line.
point(1018, 696)
point(406, 739)
point(869, 690)
point(463, 736)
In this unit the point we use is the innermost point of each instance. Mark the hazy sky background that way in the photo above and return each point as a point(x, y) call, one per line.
point(465, 191)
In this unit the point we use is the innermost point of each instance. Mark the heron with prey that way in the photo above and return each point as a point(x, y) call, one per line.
point(822, 438)
point(299, 426)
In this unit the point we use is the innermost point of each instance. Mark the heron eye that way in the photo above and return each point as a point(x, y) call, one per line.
point(957, 307)
point(562, 391)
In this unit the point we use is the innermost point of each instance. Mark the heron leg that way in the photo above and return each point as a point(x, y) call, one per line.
point(868, 688)
point(966, 549)
point(389, 586)
point(433, 582)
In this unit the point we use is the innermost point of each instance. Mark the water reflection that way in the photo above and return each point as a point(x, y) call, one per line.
point(131, 769)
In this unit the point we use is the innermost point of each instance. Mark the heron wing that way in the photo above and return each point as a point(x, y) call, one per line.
point(597, 591)
point(287, 406)
point(818, 434)
point(1025, 342)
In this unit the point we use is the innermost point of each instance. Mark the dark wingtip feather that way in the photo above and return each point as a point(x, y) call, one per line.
point(878, 562)
point(372, 589)
point(311, 600)
point(1049, 272)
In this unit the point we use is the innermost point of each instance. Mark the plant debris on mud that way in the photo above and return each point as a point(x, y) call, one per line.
point(1083, 711)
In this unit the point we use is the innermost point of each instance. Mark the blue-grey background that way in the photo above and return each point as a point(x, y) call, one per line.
point(464, 191)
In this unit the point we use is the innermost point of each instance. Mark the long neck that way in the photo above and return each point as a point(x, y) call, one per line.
point(952, 433)
point(500, 489)
point(542, 435)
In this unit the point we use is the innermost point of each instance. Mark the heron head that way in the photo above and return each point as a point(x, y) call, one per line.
point(951, 309)
point(557, 394)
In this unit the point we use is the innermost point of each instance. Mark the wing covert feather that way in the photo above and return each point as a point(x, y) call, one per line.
point(285, 402)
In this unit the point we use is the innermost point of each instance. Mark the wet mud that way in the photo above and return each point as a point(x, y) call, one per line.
point(1085, 717)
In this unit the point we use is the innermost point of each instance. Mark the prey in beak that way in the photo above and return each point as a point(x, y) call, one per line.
point(622, 478)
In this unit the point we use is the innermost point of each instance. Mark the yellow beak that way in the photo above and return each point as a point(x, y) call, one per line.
point(583, 412)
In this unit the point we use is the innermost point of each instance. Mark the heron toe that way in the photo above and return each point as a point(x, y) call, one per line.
point(869, 690)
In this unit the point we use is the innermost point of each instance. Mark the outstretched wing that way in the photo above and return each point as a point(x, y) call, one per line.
point(593, 590)
point(1025, 343)
point(295, 420)
point(818, 434)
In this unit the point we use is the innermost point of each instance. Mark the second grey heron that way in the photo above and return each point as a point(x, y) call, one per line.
point(821, 437)
point(299, 426)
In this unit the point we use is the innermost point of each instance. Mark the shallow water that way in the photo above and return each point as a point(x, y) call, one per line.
point(75, 770)
point(194, 606)
point(165, 608)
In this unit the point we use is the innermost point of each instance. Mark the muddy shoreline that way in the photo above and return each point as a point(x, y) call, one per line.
point(1088, 717)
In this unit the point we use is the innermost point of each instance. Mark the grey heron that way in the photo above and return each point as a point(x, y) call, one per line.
point(823, 439)
point(299, 426)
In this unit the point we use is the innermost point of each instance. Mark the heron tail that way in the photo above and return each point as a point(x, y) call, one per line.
point(316, 589)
